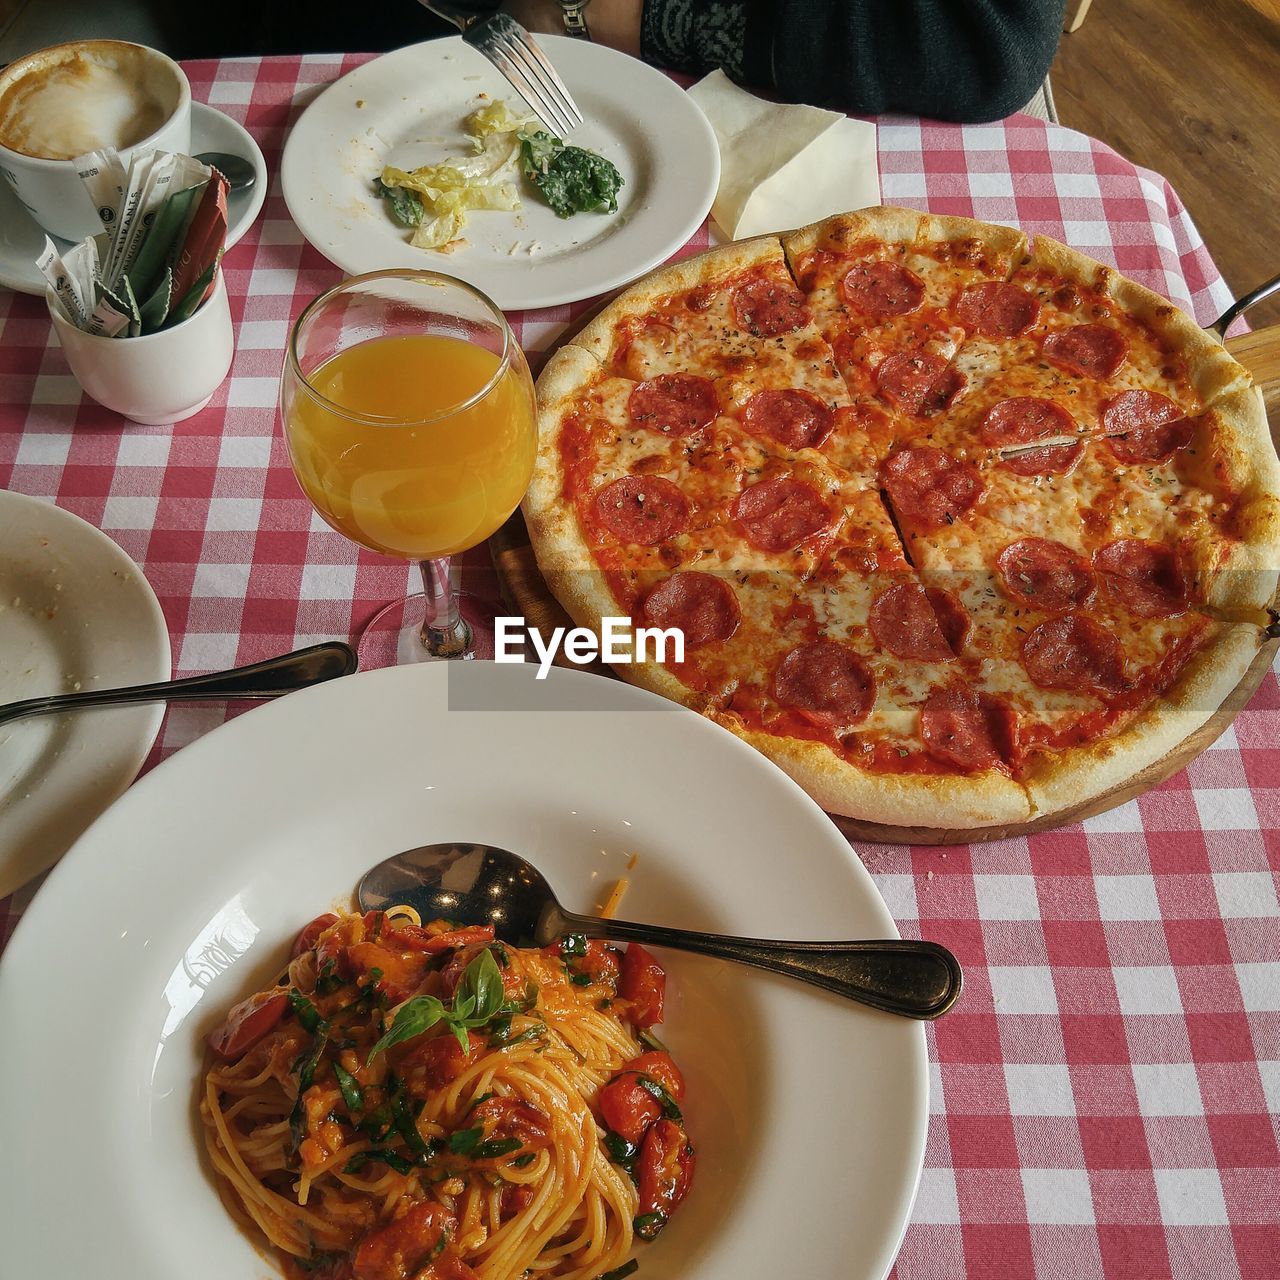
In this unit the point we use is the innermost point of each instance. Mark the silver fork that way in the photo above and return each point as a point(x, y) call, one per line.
point(515, 53)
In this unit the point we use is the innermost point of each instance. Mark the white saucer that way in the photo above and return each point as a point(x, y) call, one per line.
point(75, 613)
point(21, 240)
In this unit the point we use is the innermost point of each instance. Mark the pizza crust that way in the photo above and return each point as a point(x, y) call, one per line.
point(1232, 448)
point(905, 227)
point(563, 557)
point(896, 799)
point(1084, 773)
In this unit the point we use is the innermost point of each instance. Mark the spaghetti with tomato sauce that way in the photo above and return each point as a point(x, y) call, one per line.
point(421, 1102)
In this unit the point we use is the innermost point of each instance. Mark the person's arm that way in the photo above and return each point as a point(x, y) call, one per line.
point(949, 59)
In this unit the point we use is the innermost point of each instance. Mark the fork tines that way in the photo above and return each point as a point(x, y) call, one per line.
point(515, 53)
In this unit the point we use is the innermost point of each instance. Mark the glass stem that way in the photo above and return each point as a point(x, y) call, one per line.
point(445, 631)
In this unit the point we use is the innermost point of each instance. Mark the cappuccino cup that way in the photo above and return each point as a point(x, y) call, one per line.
point(59, 103)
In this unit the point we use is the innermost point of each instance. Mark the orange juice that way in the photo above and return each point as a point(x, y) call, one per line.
point(424, 481)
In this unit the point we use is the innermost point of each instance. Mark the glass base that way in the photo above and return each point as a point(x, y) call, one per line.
point(393, 636)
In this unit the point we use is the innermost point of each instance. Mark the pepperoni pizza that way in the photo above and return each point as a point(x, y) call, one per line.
point(960, 529)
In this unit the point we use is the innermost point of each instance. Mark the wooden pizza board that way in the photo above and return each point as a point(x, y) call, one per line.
point(525, 593)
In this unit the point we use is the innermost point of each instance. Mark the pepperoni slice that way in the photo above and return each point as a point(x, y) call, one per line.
point(968, 729)
point(1024, 420)
point(912, 621)
point(881, 289)
point(642, 509)
point(1145, 426)
point(1090, 350)
point(1073, 652)
point(928, 487)
point(996, 309)
point(675, 404)
point(1144, 577)
point(780, 514)
point(1045, 575)
point(1049, 460)
point(796, 419)
point(828, 684)
point(702, 606)
point(767, 307)
point(918, 382)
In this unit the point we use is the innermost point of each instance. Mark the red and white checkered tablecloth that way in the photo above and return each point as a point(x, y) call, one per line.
point(1105, 1096)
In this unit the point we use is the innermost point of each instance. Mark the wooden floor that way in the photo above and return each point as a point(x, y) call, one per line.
point(1190, 88)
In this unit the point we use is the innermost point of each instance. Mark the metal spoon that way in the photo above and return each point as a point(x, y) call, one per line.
point(269, 679)
point(481, 884)
point(239, 173)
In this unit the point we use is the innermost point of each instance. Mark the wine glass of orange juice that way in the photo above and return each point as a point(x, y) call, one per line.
point(409, 414)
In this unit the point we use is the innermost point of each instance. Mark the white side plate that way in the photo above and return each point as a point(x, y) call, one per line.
point(75, 613)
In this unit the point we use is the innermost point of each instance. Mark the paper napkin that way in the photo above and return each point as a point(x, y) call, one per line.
point(783, 165)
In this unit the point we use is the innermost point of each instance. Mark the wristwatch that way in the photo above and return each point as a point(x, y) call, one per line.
point(575, 18)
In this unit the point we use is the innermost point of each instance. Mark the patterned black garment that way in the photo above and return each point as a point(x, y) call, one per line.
point(968, 60)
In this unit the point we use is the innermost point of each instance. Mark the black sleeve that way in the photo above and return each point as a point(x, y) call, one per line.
point(967, 60)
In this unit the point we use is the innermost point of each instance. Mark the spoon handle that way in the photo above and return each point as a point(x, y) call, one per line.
point(916, 979)
point(269, 679)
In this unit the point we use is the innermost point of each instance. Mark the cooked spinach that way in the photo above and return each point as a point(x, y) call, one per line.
point(570, 179)
point(406, 206)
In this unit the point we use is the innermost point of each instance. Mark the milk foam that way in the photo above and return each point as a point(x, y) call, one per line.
point(88, 96)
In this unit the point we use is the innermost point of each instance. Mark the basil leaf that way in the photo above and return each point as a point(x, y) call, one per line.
point(392, 1159)
point(647, 1225)
point(378, 1124)
point(306, 1065)
point(480, 991)
point(527, 1159)
point(496, 1147)
point(305, 1010)
point(654, 1089)
point(352, 1093)
point(329, 980)
point(573, 944)
point(406, 1123)
point(508, 1041)
point(465, 1141)
point(412, 1019)
point(628, 1268)
point(620, 1150)
point(297, 1124)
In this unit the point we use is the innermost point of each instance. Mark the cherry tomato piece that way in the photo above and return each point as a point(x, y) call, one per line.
point(310, 933)
point(627, 1107)
point(403, 1247)
point(415, 938)
point(644, 984)
point(660, 1067)
point(247, 1023)
point(665, 1172)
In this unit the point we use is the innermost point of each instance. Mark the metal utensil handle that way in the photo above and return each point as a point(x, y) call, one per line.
point(916, 979)
point(1241, 305)
point(269, 679)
